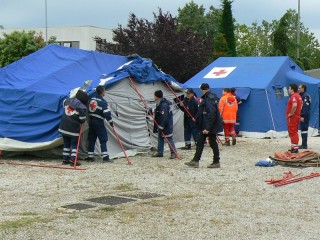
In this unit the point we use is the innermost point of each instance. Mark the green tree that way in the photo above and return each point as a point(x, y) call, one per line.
point(178, 52)
point(194, 18)
point(258, 40)
point(254, 40)
point(1, 27)
point(227, 27)
point(17, 45)
point(280, 38)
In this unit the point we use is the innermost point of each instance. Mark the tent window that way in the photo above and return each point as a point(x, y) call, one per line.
point(279, 93)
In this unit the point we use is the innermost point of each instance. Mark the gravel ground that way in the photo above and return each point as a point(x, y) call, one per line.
point(232, 202)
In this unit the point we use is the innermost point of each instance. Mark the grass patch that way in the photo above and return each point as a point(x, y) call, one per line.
point(29, 214)
point(20, 223)
point(127, 217)
point(108, 209)
point(125, 187)
point(73, 217)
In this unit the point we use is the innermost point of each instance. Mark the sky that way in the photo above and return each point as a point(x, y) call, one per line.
point(110, 13)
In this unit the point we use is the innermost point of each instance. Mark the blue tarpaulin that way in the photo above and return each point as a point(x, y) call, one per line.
point(32, 89)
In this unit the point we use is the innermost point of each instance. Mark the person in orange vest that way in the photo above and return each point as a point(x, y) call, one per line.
point(228, 108)
point(293, 112)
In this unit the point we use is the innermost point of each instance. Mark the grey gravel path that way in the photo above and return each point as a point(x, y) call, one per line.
point(232, 202)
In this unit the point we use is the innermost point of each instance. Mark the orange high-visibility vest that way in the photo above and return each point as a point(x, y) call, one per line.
point(228, 108)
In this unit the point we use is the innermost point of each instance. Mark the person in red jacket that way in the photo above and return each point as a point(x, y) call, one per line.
point(228, 108)
point(293, 112)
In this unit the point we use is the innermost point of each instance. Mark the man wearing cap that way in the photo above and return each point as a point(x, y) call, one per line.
point(164, 125)
point(209, 123)
point(190, 108)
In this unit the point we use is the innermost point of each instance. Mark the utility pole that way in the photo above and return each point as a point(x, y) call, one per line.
point(46, 22)
point(298, 31)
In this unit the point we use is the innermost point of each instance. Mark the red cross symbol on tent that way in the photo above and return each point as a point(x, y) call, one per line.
point(93, 105)
point(222, 71)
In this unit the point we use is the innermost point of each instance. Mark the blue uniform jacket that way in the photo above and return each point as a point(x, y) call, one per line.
point(208, 116)
point(164, 118)
point(74, 115)
point(192, 106)
point(305, 111)
point(98, 109)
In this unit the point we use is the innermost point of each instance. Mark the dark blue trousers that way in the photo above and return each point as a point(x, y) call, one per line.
point(97, 130)
point(70, 144)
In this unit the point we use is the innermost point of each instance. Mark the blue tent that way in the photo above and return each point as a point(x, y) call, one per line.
point(262, 83)
point(32, 91)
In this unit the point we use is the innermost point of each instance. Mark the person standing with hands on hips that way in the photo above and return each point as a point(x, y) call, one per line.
point(209, 123)
point(293, 112)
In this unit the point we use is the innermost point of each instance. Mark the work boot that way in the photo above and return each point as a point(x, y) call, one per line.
point(234, 141)
point(227, 143)
point(77, 164)
point(192, 163)
point(303, 147)
point(172, 156)
point(89, 159)
point(187, 147)
point(106, 159)
point(65, 162)
point(157, 155)
point(292, 150)
point(214, 165)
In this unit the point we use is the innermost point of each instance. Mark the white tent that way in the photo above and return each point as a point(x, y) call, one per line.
point(130, 115)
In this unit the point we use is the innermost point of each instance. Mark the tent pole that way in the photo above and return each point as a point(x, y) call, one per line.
point(274, 128)
point(121, 145)
point(78, 146)
point(146, 106)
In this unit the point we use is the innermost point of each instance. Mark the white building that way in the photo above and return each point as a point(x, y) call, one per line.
point(78, 37)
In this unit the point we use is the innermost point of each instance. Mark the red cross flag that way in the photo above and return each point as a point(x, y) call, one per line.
point(219, 72)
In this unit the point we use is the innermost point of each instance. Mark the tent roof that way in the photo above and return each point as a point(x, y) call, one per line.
point(142, 70)
point(253, 72)
point(56, 69)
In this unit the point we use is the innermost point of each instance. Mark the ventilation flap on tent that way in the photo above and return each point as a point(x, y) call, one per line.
point(46, 101)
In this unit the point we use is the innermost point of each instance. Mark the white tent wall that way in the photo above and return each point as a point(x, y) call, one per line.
point(132, 123)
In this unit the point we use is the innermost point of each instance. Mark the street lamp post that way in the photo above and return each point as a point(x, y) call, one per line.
point(298, 30)
point(46, 22)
